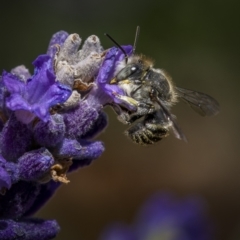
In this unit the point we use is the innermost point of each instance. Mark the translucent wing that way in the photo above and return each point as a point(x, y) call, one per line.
point(171, 118)
point(202, 103)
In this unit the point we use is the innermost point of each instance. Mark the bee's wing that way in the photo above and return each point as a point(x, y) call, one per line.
point(171, 118)
point(202, 103)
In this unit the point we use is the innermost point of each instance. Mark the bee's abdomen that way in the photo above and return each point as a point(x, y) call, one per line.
point(146, 133)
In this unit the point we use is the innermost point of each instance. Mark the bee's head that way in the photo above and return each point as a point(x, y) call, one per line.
point(134, 70)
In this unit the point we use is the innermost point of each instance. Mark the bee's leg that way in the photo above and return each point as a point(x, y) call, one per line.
point(131, 115)
point(129, 103)
point(122, 115)
point(128, 117)
point(138, 108)
point(142, 110)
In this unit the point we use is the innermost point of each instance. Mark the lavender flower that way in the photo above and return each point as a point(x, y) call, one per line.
point(47, 127)
point(47, 123)
point(162, 217)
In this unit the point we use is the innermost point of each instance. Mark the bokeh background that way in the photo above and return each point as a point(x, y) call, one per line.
point(198, 43)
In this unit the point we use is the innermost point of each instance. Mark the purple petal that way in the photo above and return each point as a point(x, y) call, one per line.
point(24, 116)
point(106, 72)
point(28, 229)
point(23, 109)
point(42, 79)
point(38, 94)
point(107, 69)
point(13, 83)
point(57, 93)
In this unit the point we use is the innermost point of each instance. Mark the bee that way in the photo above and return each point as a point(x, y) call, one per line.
point(151, 93)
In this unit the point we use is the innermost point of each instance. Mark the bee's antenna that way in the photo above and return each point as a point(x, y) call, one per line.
point(124, 52)
point(136, 39)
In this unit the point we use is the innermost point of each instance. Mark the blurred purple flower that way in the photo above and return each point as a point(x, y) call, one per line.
point(37, 153)
point(163, 217)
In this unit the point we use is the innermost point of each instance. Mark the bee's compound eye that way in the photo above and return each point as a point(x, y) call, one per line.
point(134, 69)
point(127, 72)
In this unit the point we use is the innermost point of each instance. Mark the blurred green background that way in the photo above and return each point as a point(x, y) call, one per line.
point(197, 42)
